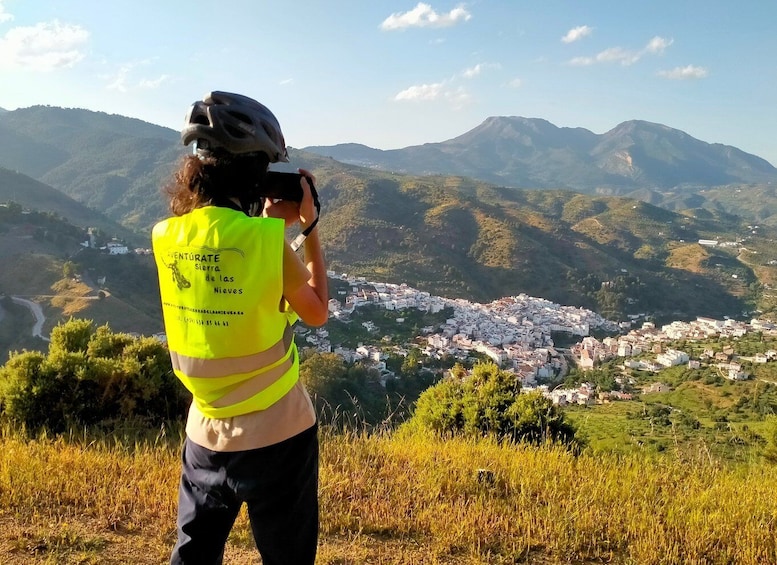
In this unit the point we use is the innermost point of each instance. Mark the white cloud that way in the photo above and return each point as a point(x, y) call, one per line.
point(423, 15)
point(515, 83)
point(286, 81)
point(456, 96)
point(43, 47)
point(618, 55)
point(421, 92)
point(472, 72)
point(611, 55)
point(625, 57)
point(582, 61)
point(119, 80)
point(152, 84)
point(684, 73)
point(577, 33)
point(658, 45)
point(4, 16)
point(122, 81)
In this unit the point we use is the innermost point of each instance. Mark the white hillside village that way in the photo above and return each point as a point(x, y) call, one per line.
point(515, 332)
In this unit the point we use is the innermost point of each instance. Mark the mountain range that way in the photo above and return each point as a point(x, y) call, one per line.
point(455, 235)
point(534, 153)
point(113, 163)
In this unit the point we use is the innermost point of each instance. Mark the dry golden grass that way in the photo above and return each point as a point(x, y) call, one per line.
point(596, 230)
point(396, 499)
point(71, 297)
point(31, 274)
point(688, 257)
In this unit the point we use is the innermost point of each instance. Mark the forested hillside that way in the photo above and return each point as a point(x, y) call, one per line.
point(457, 237)
point(44, 261)
point(111, 163)
point(451, 235)
point(30, 194)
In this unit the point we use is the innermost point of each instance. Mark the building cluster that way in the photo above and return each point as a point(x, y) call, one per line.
point(113, 247)
point(515, 332)
point(652, 340)
point(583, 395)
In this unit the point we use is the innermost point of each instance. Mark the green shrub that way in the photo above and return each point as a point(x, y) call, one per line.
point(489, 402)
point(91, 375)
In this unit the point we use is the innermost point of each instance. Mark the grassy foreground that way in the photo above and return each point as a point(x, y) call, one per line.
point(394, 499)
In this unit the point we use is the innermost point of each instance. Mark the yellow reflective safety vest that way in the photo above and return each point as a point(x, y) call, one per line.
point(221, 283)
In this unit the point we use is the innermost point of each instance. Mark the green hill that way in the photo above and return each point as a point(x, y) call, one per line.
point(110, 163)
point(44, 262)
point(462, 238)
point(34, 195)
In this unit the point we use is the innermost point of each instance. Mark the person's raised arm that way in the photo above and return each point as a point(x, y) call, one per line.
point(311, 300)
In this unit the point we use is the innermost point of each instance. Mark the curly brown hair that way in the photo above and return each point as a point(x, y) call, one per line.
point(208, 181)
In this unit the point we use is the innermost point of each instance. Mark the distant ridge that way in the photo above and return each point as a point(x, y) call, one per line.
point(106, 161)
point(34, 195)
point(533, 153)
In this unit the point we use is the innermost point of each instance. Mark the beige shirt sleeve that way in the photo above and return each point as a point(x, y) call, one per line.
point(295, 273)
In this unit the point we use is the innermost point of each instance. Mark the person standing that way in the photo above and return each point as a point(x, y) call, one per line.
point(231, 287)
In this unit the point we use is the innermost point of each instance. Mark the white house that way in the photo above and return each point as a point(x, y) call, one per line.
point(672, 357)
point(114, 248)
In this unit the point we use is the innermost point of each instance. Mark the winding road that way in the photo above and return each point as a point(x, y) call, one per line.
point(37, 312)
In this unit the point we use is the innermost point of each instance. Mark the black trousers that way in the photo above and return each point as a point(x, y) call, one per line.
point(279, 485)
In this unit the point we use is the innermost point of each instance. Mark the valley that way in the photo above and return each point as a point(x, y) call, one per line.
point(614, 254)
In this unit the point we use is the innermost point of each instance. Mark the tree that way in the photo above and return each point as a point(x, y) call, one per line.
point(320, 370)
point(325, 376)
point(411, 363)
point(69, 269)
point(345, 394)
point(71, 337)
point(14, 208)
point(490, 403)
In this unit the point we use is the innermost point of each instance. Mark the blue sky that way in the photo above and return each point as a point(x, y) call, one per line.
point(391, 74)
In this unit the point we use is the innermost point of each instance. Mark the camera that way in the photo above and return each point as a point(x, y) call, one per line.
point(283, 186)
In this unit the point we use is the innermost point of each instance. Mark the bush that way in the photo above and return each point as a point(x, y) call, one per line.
point(345, 395)
point(91, 375)
point(490, 402)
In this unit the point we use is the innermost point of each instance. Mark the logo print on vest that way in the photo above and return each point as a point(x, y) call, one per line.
point(178, 277)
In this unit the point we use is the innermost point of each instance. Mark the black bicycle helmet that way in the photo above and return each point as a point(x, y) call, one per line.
point(236, 124)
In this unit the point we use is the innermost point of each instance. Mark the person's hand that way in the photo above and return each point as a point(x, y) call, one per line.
point(287, 210)
point(292, 212)
point(307, 208)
